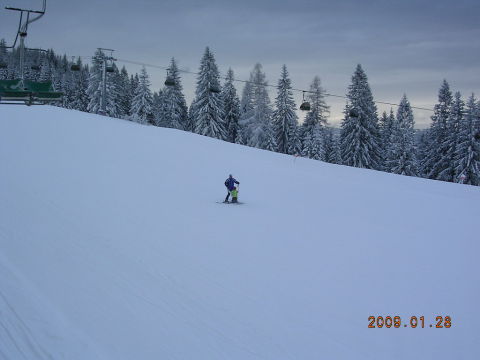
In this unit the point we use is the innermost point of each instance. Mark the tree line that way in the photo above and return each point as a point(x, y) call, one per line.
point(449, 150)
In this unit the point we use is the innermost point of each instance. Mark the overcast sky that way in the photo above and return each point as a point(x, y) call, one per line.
point(404, 46)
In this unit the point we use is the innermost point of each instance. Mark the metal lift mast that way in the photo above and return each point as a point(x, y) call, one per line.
point(23, 30)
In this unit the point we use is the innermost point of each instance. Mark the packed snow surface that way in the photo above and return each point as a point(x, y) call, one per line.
point(112, 246)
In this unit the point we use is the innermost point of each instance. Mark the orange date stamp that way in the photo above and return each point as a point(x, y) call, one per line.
point(378, 322)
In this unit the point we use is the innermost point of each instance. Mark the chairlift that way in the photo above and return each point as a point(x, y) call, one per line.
point(28, 92)
point(214, 89)
point(169, 81)
point(109, 68)
point(18, 91)
point(305, 106)
point(74, 66)
point(353, 113)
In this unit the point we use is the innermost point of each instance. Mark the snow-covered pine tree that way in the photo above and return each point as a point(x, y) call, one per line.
point(401, 152)
point(449, 146)
point(295, 146)
point(68, 87)
point(468, 149)
point(314, 143)
point(158, 107)
point(3, 60)
point(207, 108)
point(284, 117)
point(315, 122)
point(331, 150)
point(386, 126)
point(246, 112)
point(94, 90)
point(124, 100)
point(45, 70)
point(422, 145)
point(80, 85)
point(175, 114)
point(435, 161)
point(231, 108)
point(360, 136)
point(257, 112)
point(269, 142)
point(190, 119)
point(142, 101)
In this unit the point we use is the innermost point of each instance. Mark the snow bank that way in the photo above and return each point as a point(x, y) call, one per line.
point(112, 246)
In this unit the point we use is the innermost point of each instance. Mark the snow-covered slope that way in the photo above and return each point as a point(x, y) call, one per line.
point(112, 246)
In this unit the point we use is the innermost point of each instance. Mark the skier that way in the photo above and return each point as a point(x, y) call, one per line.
point(234, 193)
point(230, 185)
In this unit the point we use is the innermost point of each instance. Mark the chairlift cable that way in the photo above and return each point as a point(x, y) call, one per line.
point(263, 84)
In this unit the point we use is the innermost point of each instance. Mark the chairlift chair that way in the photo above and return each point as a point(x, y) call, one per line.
point(169, 81)
point(20, 91)
point(214, 89)
point(3, 65)
point(75, 66)
point(353, 113)
point(29, 92)
point(305, 106)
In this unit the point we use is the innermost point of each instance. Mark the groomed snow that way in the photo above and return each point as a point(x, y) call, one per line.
point(112, 246)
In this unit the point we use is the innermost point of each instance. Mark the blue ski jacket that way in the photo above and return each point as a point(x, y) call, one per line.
point(230, 183)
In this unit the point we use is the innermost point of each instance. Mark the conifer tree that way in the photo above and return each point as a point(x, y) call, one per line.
point(175, 112)
point(256, 117)
point(3, 60)
point(142, 101)
point(207, 108)
point(284, 117)
point(468, 149)
point(80, 86)
point(449, 161)
point(231, 108)
point(360, 137)
point(401, 157)
point(435, 160)
point(331, 150)
point(313, 143)
point(158, 105)
point(190, 119)
point(312, 129)
point(386, 126)
point(246, 111)
point(124, 94)
point(45, 70)
point(269, 142)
